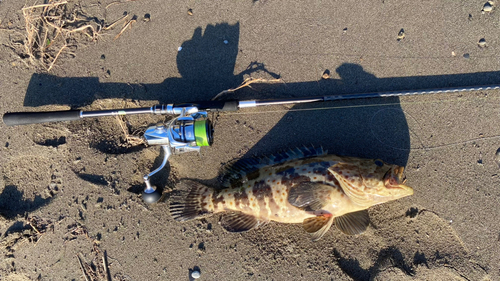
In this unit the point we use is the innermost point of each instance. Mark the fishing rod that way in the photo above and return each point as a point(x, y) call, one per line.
point(191, 129)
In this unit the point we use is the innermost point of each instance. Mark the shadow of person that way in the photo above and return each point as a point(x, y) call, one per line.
point(355, 80)
point(210, 57)
point(205, 62)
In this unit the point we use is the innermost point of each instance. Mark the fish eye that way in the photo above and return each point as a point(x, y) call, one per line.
point(379, 163)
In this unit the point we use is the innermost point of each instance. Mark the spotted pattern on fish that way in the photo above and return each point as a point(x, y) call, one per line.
point(286, 188)
point(265, 193)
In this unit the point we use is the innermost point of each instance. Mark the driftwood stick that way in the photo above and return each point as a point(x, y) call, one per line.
point(105, 264)
point(83, 269)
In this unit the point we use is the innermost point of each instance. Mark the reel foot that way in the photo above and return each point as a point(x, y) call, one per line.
point(151, 197)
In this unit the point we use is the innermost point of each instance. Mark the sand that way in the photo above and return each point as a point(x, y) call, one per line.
point(73, 189)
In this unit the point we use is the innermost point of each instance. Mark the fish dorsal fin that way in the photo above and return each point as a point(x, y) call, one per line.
point(317, 226)
point(353, 223)
point(310, 196)
point(351, 181)
point(239, 222)
point(237, 172)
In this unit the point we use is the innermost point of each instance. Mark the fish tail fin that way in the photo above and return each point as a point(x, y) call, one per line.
point(195, 205)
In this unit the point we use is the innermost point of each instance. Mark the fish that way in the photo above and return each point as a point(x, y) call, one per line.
point(302, 185)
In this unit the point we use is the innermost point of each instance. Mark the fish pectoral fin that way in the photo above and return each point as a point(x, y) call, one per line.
point(353, 223)
point(239, 222)
point(317, 226)
point(309, 195)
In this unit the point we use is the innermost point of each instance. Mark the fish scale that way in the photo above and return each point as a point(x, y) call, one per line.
point(266, 196)
point(303, 185)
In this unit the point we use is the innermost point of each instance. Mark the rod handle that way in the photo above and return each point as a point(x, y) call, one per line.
point(25, 118)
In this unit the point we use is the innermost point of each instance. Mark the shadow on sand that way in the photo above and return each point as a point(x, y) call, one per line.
point(12, 203)
point(367, 128)
point(363, 128)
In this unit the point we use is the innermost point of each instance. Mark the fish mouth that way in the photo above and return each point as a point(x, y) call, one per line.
point(394, 178)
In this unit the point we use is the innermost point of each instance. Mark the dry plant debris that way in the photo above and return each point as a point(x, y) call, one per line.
point(95, 270)
point(55, 28)
point(40, 226)
point(247, 83)
point(126, 25)
point(35, 231)
point(74, 230)
point(52, 29)
point(129, 139)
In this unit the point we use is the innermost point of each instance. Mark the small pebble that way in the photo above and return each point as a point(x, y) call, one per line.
point(401, 34)
point(195, 274)
point(488, 7)
point(497, 157)
point(190, 12)
point(103, 57)
point(453, 54)
point(179, 49)
point(326, 74)
point(344, 30)
point(482, 43)
point(147, 17)
point(226, 42)
point(466, 55)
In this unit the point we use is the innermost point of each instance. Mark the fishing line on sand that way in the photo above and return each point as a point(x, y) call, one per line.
point(422, 146)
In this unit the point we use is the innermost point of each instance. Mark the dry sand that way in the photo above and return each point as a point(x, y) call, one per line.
point(71, 189)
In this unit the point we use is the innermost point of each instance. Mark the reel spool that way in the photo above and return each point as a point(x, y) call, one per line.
point(186, 133)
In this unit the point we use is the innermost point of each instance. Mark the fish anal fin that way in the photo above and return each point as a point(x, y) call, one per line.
point(317, 226)
point(353, 223)
point(311, 196)
point(239, 222)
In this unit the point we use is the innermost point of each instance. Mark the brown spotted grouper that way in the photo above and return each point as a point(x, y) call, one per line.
point(303, 185)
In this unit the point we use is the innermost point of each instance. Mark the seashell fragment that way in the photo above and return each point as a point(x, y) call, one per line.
point(401, 34)
point(488, 7)
point(195, 274)
point(482, 43)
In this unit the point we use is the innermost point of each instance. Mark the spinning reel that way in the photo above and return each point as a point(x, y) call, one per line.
point(186, 133)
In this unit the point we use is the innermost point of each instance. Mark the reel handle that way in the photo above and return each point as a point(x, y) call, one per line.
point(25, 118)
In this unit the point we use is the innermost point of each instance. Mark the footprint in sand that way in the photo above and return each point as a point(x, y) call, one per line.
point(418, 245)
point(401, 244)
